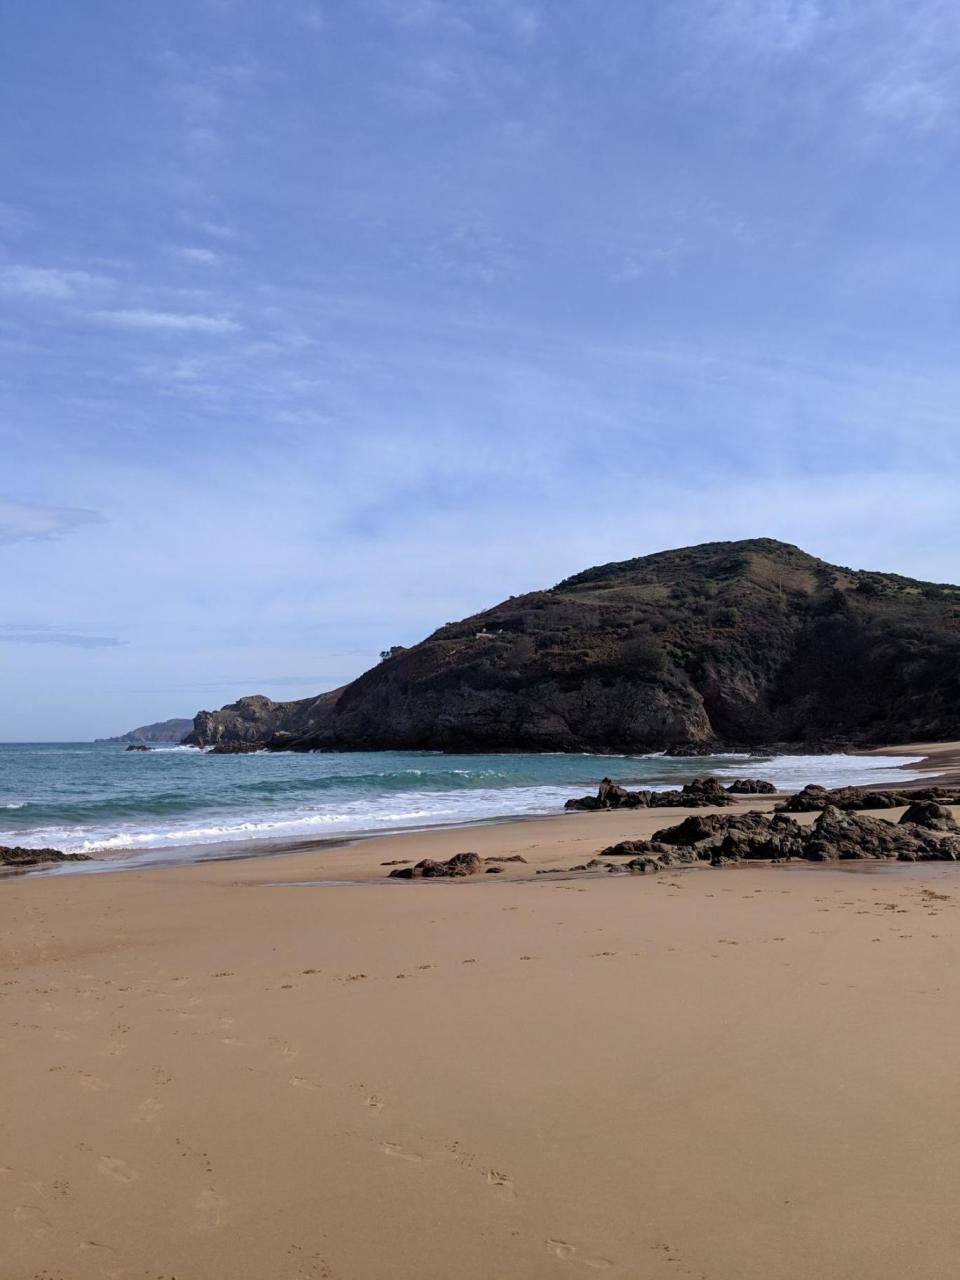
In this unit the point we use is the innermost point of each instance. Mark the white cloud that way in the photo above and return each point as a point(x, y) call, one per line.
point(218, 230)
point(25, 281)
point(167, 321)
point(202, 257)
point(28, 522)
point(908, 100)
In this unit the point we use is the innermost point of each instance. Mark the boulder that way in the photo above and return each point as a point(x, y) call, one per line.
point(699, 827)
point(930, 814)
point(137, 746)
point(751, 787)
point(811, 798)
point(642, 864)
point(461, 864)
point(777, 841)
point(710, 789)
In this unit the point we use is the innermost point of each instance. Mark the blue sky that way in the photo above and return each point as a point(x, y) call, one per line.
point(322, 324)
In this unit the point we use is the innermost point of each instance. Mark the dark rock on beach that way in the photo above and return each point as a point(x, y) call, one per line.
point(17, 856)
point(814, 797)
point(700, 827)
point(836, 835)
point(461, 864)
point(701, 793)
point(933, 816)
point(751, 787)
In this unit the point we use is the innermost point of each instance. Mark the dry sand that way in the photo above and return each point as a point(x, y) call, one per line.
point(217, 1073)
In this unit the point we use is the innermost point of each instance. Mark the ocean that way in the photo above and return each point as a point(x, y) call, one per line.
point(175, 804)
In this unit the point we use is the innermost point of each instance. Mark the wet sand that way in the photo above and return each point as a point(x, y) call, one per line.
point(218, 1073)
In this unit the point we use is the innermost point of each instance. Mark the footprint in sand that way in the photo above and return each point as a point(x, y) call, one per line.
point(568, 1253)
point(283, 1047)
point(373, 1103)
point(31, 1219)
point(500, 1182)
point(301, 1082)
point(392, 1149)
point(148, 1111)
point(210, 1207)
point(91, 1082)
point(118, 1170)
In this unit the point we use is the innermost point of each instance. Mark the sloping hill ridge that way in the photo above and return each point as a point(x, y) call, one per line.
point(162, 731)
point(728, 643)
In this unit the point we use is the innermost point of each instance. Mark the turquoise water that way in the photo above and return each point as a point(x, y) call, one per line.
point(103, 800)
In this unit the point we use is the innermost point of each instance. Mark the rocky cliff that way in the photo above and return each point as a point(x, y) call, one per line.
point(733, 643)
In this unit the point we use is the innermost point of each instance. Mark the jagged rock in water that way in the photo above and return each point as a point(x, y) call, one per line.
point(751, 787)
point(701, 793)
point(138, 746)
point(461, 864)
point(933, 816)
point(744, 643)
point(18, 856)
point(234, 749)
point(709, 789)
point(813, 797)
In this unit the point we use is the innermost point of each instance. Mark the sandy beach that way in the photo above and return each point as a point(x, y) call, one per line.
point(227, 1071)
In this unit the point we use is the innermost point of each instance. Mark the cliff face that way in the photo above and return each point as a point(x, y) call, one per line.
point(748, 642)
point(162, 731)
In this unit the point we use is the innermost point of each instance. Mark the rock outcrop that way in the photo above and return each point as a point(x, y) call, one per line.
point(814, 797)
point(933, 816)
point(751, 787)
point(748, 643)
point(461, 864)
point(18, 856)
point(720, 838)
point(701, 793)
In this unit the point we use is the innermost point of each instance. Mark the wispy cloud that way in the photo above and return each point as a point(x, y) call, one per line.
point(28, 522)
point(167, 321)
point(53, 283)
point(26, 633)
point(202, 257)
point(219, 230)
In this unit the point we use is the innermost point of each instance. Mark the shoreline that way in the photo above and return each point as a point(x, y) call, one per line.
point(938, 762)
